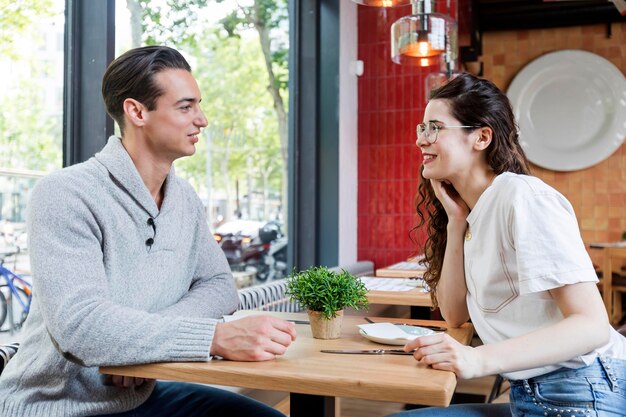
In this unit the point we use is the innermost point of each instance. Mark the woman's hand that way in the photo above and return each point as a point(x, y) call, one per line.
point(453, 204)
point(443, 352)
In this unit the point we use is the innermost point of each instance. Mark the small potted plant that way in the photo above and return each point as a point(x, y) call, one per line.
point(325, 293)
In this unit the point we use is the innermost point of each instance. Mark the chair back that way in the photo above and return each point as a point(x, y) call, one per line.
point(6, 353)
point(271, 296)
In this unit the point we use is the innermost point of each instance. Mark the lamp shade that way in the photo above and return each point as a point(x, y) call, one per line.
point(423, 35)
point(383, 3)
point(437, 79)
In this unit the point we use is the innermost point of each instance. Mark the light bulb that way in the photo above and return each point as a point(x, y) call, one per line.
point(422, 37)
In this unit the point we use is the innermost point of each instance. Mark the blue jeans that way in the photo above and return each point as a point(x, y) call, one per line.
point(597, 390)
point(179, 399)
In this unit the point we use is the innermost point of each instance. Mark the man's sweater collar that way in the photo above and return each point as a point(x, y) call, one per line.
point(117, 161)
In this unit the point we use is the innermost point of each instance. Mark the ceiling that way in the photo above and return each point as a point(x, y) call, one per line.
point(479, 16)
point(491, 15)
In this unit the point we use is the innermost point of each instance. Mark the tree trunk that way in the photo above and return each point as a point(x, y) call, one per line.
point(136, 30)
point(225, 176)
point(279, 106)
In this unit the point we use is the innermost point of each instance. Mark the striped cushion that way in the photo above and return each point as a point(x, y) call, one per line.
point(6, 353)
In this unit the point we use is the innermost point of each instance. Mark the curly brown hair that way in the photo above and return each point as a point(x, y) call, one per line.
point(473, 102)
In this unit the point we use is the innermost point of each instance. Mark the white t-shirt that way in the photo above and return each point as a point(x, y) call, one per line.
point(523, 240)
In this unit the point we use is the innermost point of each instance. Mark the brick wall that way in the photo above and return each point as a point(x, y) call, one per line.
point(598, 193)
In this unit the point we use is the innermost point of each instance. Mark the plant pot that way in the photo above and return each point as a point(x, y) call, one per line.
point(323, 328)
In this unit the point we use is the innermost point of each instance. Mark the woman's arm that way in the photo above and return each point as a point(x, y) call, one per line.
point(583, 314)
point(451, 289)
point(584, 327)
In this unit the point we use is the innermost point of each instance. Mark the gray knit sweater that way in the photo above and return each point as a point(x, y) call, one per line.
point(103, 296)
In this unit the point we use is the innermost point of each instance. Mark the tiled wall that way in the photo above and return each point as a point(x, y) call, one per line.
point(391, 103)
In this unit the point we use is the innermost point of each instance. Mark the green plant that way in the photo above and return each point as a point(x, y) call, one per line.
point(624, 236)
point(326, 291)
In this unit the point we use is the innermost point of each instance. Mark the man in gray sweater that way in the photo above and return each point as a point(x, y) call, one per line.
point(125, 270)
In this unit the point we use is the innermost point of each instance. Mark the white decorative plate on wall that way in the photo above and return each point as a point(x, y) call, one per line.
point(571, 109)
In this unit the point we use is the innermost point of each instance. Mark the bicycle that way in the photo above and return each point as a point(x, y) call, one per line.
point(13, 288)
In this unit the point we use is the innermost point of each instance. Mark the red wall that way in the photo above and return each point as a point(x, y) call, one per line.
point(391, 102)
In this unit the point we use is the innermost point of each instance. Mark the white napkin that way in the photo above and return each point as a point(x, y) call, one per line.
point(385, 331)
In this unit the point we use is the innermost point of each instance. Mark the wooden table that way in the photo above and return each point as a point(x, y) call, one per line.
point(405, 269)
point(416, 299)
point(611, 250)
point(314, 379)
point(413, 298)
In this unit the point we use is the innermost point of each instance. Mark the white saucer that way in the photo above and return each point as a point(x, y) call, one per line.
point(412, 333)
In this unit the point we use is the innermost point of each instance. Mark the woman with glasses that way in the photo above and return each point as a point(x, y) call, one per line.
point(504, 250)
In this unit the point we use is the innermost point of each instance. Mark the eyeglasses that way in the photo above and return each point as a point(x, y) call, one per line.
point(431, 130)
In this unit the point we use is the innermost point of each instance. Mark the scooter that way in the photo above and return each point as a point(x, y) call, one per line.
point(276, 259)
point(270, 262)
point(242, 251)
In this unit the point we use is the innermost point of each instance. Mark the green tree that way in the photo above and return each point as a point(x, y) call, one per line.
point(269, 19)
point(31, 133)
point(242, 127)
point(31, 130)
point(156, 23)
point(16, 17)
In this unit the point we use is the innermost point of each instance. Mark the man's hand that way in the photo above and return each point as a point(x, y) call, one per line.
point(253, 338)
point(443, 352)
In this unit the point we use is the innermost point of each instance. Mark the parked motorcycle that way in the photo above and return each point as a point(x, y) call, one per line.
point(262, 250)
point(272, 264)
point(236, 240)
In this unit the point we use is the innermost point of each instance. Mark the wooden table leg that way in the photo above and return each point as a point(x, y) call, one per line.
point(305, 405)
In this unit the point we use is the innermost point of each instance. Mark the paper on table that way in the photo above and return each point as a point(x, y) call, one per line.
point(391, 284)
point(385, 331)
point(410, 266)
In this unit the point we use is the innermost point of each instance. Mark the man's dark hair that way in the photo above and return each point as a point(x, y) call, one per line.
point(131, 75)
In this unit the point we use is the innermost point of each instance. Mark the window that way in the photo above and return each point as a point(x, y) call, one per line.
point(240, 166)
point(31, 70)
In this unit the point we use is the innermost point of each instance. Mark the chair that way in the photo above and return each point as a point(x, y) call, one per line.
point(361, 268)
point(613, 285)
point(6, 353)
point(271, 296)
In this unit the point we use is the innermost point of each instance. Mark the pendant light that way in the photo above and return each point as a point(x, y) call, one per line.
point(383, 3)
point(420, 38)
point(449, 64)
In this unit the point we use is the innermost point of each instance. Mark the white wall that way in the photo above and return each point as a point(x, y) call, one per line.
point(348, 129)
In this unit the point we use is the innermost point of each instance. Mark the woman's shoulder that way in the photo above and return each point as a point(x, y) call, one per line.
point(524, 185)
point(522, 192)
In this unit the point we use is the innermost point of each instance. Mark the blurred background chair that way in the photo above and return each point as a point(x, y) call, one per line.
point(613, 285)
